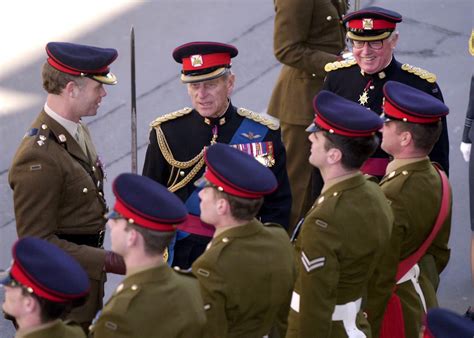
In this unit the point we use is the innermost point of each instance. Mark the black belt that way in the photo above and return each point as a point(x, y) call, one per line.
point(95, 240)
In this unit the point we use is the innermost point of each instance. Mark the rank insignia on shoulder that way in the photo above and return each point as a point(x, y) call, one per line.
point(31, 132)
point(422, 73)
point(203, 272)
point(261, 151)
point(339, 64)
point(170, 116)
point(111, 325)
point(260, 118)
point(321, 223)
point(312, 264)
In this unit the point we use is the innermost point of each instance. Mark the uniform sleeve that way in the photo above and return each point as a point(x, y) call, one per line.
point(277, 206)
point(293, 21)
point(440, 152)
point(469, 114)
point(381, 283)
point(214, 296)
point(318, 279)
point(36, 196)
point(155, 166)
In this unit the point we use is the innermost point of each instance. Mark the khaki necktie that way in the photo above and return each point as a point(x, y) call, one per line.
point(80, 138)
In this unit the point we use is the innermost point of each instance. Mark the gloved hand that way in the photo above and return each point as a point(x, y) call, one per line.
point(465, 150)
point(114, 263)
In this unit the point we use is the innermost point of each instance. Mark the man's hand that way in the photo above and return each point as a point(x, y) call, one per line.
point(465, 150)
point(114, 263)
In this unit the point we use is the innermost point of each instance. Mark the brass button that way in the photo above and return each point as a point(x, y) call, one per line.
point(85, 190)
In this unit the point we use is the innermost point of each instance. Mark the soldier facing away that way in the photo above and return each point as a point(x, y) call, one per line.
point(344, 233)
point(409, 270)
point(247, 273)
point(153, 300)
point(42, 285)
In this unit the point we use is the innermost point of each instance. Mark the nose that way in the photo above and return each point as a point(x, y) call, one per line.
point(103, 92)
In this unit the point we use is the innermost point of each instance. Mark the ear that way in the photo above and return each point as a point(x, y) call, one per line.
point(405, 138)
point(222, 206)
point(230, 84)
point(71, 89)
point(394, 41)
point(133, 237)
point(30, 304)
point(334, 155)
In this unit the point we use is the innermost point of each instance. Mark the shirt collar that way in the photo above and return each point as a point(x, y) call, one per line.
point(69, 125)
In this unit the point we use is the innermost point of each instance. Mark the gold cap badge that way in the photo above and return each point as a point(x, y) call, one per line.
point(368, 23)
point(196, 60)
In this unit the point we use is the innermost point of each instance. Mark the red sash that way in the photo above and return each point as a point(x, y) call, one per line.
point(393, 325)
point(375, 166)
point(194, 225)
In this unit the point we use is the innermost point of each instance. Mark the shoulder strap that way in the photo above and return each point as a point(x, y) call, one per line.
point(405, 265)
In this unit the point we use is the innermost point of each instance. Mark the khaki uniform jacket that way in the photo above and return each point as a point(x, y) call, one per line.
point(58, 329)
point(246, 278)
point(157, 302)
point(307, 35)
point(414, 191)
point(340, 243)
point(58, 190)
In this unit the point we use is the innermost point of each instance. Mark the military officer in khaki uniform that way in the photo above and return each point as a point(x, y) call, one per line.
point(153, 300)
point(247, 273)
point(415, 189)
point(56, 175)
point(42, 284)
point(342, 236)
point(307, 35)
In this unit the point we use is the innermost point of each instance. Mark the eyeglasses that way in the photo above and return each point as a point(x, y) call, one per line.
point(377, 44)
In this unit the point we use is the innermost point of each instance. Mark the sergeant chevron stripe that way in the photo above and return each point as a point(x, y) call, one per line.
point(310, 265)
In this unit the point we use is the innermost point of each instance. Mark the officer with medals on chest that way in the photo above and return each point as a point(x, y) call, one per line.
point(56, 175)
point(344, 233)
point(41, 286)
point(420, 197)
point(373, 36)
point(177, 140)
point(153, 300)
point(247, 272)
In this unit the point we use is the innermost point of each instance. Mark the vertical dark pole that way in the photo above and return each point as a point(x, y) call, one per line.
point(134, 102)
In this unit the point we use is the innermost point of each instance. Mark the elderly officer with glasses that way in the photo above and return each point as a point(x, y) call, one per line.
point(372, 34)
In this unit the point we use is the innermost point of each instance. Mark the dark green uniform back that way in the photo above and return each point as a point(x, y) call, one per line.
point(337, 250)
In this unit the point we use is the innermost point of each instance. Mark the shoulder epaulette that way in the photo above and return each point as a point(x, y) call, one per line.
point(339, 64)
point(170, 116)
point(422, 73)
point(257, 118)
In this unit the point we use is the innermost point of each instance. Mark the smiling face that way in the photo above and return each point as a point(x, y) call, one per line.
point(210, 98)
point(372, 60)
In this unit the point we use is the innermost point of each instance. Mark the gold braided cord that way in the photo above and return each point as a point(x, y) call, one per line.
point(166, 151)
point(188, 177)
point(197, 161)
